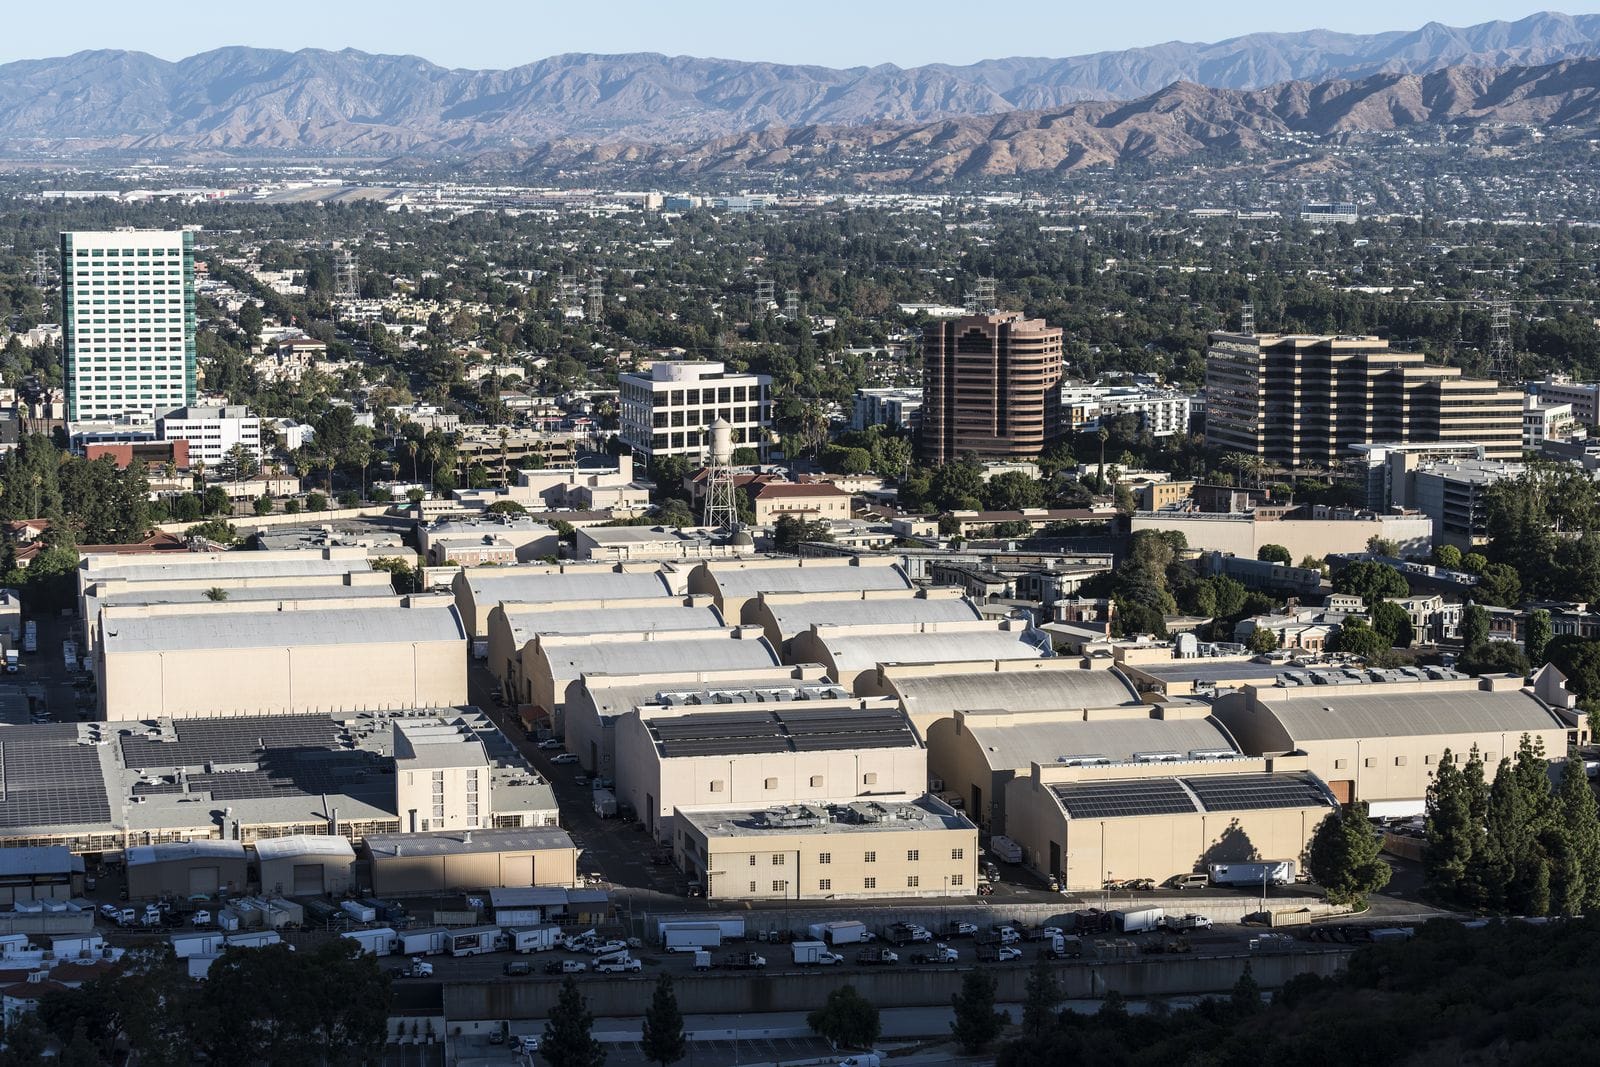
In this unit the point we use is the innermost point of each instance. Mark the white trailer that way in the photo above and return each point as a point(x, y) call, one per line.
point(200, 943)
point(378, 941)
point(252, 939)
point(1006, 849)
point(1272, 872)
point(541, 938)
point(359, 912)
point(1138, 920)
point(475, 941)
point(838, 933)
point(690, 937)
point(429, 942)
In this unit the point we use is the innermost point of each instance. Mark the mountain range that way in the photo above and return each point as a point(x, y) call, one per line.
point(247, 100)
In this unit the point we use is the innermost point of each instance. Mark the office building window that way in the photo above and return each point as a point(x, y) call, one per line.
point(913, 882)
point(780, 886)
point(913, 855)
point(778, 859)
point(825, 884)
point(871, 857)
point(825, 857)
point(957, 853)
point(869, 883)
point(771, 783)
point(957, 879)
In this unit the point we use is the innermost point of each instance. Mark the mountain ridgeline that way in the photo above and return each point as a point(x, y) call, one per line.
point(1028, 112)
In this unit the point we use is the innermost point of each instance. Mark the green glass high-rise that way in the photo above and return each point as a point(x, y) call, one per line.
point(127, 323)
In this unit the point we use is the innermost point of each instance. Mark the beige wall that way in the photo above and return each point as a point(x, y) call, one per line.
point(148, 881)
point(277, 876)
point(305, 678)
point(475, 870)
point(1159, 847)
point(463, 802)
point(822, 506)
point(1302, 537)
point(655, 786)
point(789, 866)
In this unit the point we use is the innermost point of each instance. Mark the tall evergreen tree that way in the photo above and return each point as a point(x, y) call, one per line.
point(1538, 635)
point(1451, 833)
point(568, 1039)
point(1344, 858)
point(976, 1023)
point(1578, 890)
point(1042, 998)
point(663, 1040)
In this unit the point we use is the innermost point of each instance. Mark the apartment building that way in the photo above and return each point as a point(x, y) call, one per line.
point(1306, 401)
point(896, 409)
point(1545, 420)
point(669, 411)
point(1455, 496)
point(1583, 396)
point(991, 386)
point(128, 325)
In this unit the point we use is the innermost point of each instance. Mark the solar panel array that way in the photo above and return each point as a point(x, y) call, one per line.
point(1255, 792)
point(243, 740)
point(48, 779)
point(1113, 800)
point(793, 729)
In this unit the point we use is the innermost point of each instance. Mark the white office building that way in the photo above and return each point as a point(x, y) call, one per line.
point(128, 327)
point(212, 432)
point(669, 412)
point(1545, 420)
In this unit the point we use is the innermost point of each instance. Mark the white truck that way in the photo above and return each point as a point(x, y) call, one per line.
point(475, 941)
point(1138, 920)
point(605, 803)
point(1006, 849)
point(378, 941)
point(429, 942)
point(690, 937)
point(359, 912)
point(541, 938)
point(814, 953)
point(69, 654)
point(839, 933)
point(1272, 872)
point(617, 965)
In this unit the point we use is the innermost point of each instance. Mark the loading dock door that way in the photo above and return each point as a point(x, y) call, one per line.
point(307, 879)
point(204, 880)
point(1343, 790)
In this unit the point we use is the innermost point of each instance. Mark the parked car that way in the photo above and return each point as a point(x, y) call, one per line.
point(550, 743)
point(525, 1043)
point(565, 967)
point(564, 757)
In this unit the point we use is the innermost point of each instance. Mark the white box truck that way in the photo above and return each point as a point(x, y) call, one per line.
point(475, 941)
point(690, 937)
point(541, 938)
point(1138, 920)
point(1006, 849)
point(605, 803)
point(427, 942)
point(814, 953)
point(378, 941)
point(839, 933)
point(208, 943)
point(1272, 872)
point(256, 939)
point(359, 912)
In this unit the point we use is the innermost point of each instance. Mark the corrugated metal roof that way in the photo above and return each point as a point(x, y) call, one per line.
point(38, 859)
point(1014, 746)
point(463, 842)
point(797, 617)
point(184, 850)
point(1041, 690)
point(747, 582)
point(203, 629)
point(285, 591)
point(282, 848)
point(224, 565)
point(1326, 714)
point(621, 699)
point(567, 662)
point(633, 618)
point(864, 651)
point(490, 588)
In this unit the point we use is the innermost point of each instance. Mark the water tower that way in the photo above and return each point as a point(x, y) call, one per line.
point(722, 505)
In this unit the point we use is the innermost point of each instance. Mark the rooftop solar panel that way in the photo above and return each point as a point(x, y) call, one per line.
point(1110, 800)
point(1254, 792)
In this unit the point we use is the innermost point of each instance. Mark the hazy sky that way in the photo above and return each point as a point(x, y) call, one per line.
point(505, 33)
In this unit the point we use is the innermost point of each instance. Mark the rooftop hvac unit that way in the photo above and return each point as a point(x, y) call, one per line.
point(1157, 757)
point(1081, 761)
point(1212, 753)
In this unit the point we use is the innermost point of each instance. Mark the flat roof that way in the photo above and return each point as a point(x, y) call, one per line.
point(569, 660)
point(489, 587)
point(211, 629)
point(289, 590)
point(1329, 713)
point(732, 580)
point(173, 851)
point(1199, 794)
point(865, 650)
point(874, 816)
point(528, 621)
point(466, 842)
point(795, 617)
point(618, 695)
point(1194, 670)
point(38, 859)
point(1013, 745)
point(237, 564)
point(296, 845)
point(750, 730)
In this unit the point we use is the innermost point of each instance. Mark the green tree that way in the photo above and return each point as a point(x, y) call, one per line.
point(1577, 889)
point(1493, 657)
point(1262, 640)
point(1447, 556)
point(1474, 562)
point(1500, 586)
point(1474, 628)
point(1042, 997)
point(1356, 638)
point(1246, 996)
point(506, 507)
point(568, 1032)
point(1537, 637)
point(263, 504)
point(316, 502)
point(846, 1019)
point(216, 593)
point(215, 501)
point(1274, 554)
point(1452, 829)
point(218, 530)
point(402, 575)
point(1392, 624)
point(663, 1041)
point(1371, 581)
point(976, 1023)
point(1343, 857)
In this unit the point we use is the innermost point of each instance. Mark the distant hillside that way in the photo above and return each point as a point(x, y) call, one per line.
point(246, 99)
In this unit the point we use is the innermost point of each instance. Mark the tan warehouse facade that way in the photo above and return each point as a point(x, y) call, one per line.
point(222, 658)
point(1090, 825)
point(865, 849)
point(306, 865)
point(470, 860)
point(184, 869)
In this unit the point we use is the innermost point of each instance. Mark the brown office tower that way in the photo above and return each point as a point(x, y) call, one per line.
point(991, 385)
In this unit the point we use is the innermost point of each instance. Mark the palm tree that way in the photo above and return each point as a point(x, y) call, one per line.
point(505, 435)
point(432, 450)
point(1103, 435)
point(411, 447)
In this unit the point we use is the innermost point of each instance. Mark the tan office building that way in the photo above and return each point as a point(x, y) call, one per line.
point(770, 748)
point(991, 386)
point(514, 628)
point(225, 658)
point(1378, 737)
point(1160, 820)
point(1305, 400)
point(470, 860)
point(865, 849)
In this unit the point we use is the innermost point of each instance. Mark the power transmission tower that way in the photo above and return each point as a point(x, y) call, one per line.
point(791, 304)
point(765, 295)
point(595, 300)
point(981, 298)
point(1502, 360)
point(346, 275)
point(569, 293)
point(41, 268)
point(1247, 319)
